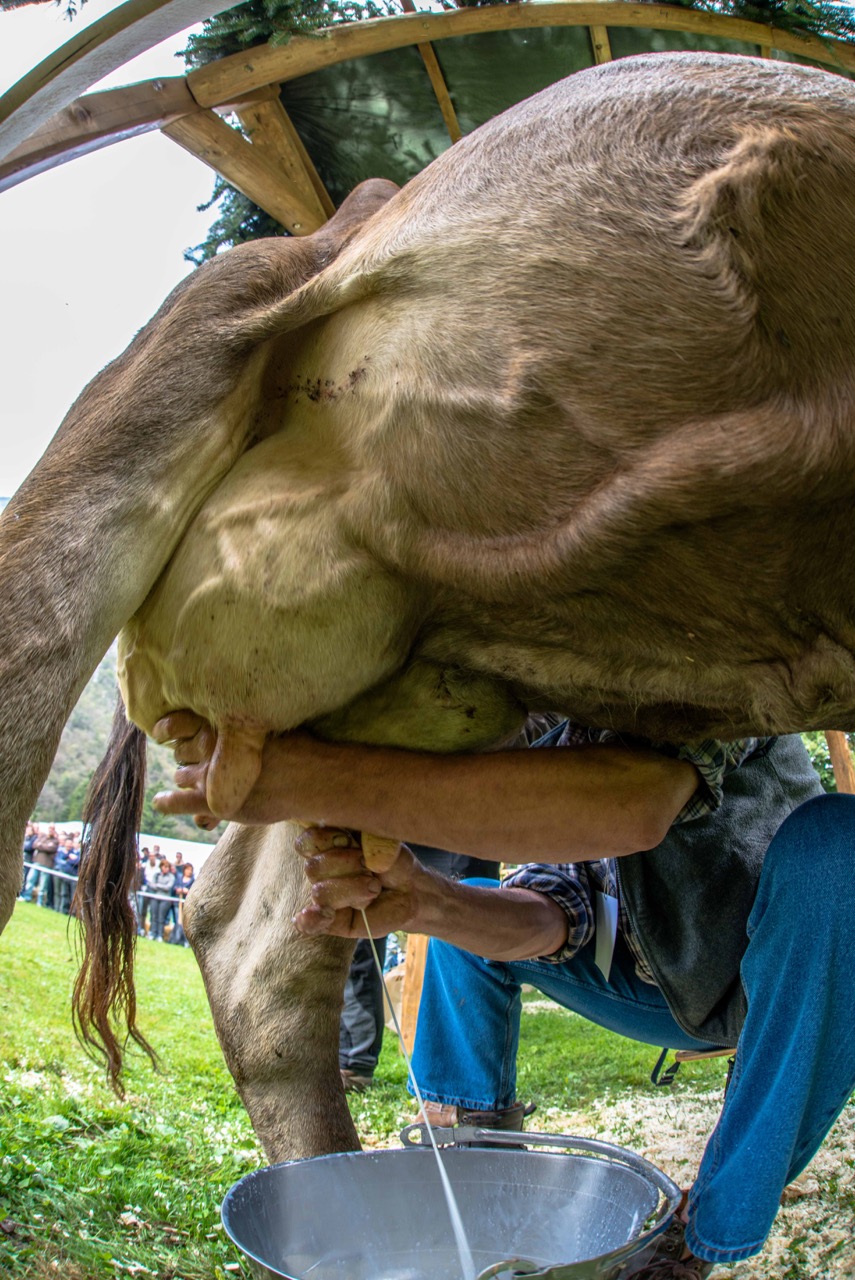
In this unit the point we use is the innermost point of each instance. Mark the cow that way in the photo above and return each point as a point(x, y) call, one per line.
point(568, 423)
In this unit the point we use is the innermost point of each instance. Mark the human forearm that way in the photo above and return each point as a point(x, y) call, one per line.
point(499, 924)
point(502, 924)
point(518, 806)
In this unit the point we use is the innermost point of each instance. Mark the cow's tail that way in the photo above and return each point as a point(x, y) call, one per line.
point(104, 1000)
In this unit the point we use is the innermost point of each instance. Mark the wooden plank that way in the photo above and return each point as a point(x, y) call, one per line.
point(437, 80)
point(211, 140)
point(414, 975)
point(99, 119)
point(440, 89)
point(302, 55)
point(600, 44)
point(96, 121)
point(841, 761)
point(133, 27)
point(272, 133)
point(92, 53)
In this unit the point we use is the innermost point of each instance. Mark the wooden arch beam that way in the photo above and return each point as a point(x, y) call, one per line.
point(249, 168)
point(273, 136)
point(274, 64)
point(97, 120)
point(90, 55)
point(437, 81)
point(137, 25)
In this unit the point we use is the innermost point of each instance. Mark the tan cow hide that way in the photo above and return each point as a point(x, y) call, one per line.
point(574, 411)
point(569, 422)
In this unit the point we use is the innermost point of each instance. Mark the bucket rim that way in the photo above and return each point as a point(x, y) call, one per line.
point(461, 1138)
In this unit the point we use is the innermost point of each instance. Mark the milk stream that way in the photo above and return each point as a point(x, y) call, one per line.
point(467, 1263)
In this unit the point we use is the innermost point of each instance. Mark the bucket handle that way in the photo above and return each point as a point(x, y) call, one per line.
point(415, 1135)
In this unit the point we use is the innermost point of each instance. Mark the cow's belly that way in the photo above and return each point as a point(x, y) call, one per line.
point(268, 616)
point(586, 428)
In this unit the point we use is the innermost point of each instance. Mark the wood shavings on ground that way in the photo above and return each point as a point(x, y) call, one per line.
point(814, 1233)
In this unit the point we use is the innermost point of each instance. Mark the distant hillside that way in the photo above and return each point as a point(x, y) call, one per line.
point(83, 744)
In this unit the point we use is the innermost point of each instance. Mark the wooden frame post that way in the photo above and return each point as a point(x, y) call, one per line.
point(414, 974)
point(841, 761)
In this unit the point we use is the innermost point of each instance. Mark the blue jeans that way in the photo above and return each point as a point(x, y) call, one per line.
point(795, 1062)
point(38, 879)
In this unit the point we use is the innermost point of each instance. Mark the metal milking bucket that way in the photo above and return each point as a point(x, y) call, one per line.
point(560, 1207)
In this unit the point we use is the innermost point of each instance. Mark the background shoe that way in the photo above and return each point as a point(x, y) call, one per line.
point(355, 1083)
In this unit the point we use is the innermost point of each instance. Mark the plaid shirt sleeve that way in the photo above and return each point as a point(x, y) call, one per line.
point(571, 885)
point(713, 761)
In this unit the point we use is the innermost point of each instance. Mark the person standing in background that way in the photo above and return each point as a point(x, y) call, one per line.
point(161, 885)
point(67, 863)
point(172, 911)
point(183, 884)
point(148, 870)
point(44, 855)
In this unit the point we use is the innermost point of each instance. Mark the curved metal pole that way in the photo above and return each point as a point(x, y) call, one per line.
point(90, 55)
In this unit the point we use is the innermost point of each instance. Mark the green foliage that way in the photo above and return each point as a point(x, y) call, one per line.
point(238, 220)
point(274, 22)
point(815, 17)
point(96, 1188)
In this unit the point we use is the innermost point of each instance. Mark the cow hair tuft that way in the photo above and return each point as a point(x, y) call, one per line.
point(104, 1000)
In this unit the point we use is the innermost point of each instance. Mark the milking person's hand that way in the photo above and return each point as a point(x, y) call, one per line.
point(342, 884)
point(192, 740)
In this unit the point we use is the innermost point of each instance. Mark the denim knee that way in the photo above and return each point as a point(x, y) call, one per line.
point(811, 859)
point(819, 833)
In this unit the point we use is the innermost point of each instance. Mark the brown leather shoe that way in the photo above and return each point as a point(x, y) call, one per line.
point(509, 1118)
point(668, 1262)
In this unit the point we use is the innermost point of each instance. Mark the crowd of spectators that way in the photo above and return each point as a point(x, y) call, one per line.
point(161, 889)
point(51, 863)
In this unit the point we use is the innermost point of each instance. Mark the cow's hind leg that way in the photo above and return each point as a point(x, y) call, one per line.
point(275, 996)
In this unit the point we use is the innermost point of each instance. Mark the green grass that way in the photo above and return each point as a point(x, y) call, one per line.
point(92, 1188)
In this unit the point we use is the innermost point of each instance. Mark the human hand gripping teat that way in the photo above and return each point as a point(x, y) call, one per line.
point(193, 741)
point(262, 781)
point(347, 880)
point(274, 795)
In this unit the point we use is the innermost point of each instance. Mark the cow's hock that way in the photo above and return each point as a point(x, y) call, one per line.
point(275, 995)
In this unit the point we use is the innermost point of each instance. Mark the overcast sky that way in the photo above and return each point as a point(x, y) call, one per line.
point(88, 251)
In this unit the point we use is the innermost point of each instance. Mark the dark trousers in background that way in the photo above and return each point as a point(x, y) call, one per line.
point(142, 911)
point(64, 892)
point(159, 908)
point(360, 1033)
